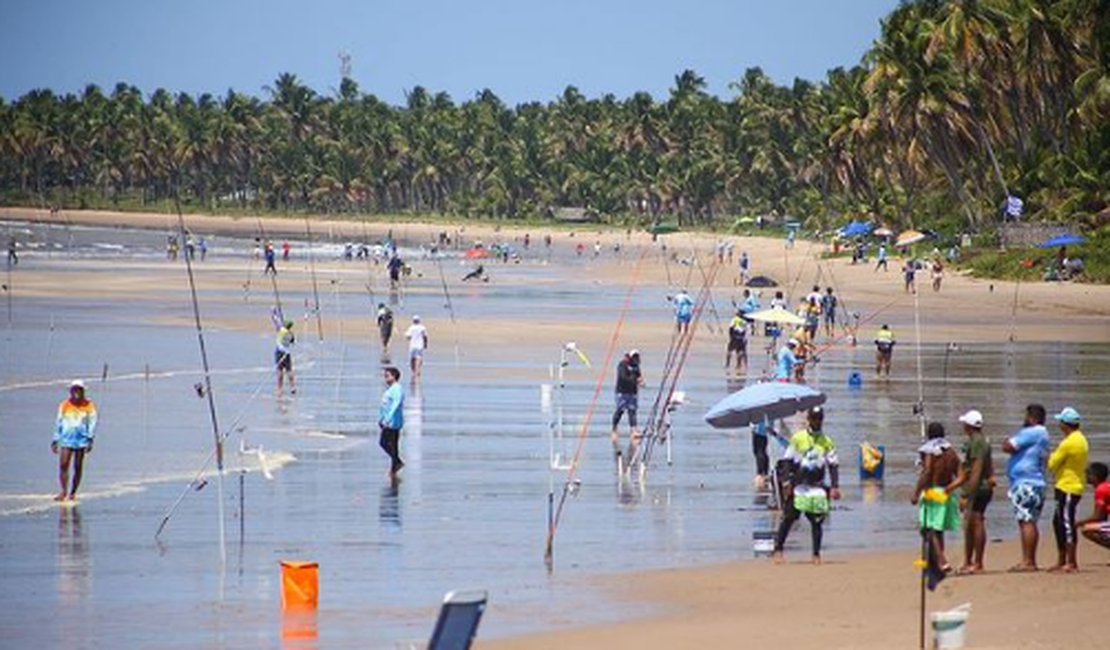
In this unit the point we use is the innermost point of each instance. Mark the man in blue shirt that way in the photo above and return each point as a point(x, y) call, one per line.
point(786, 361)
point(1028, 450)
point(391, 419)
point(683, 311)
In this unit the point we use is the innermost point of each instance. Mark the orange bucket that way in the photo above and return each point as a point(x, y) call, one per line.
point(299, 584)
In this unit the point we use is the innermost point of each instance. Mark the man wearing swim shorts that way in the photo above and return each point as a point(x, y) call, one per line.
point(1068, 463)
point(977, 480)
point(1028, 450)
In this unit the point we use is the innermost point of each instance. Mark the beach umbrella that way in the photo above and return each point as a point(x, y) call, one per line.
point(777, 315)
point(761, 282)
point(663, 228)
point(908, 237)
point(1062, 240)
point(855, 229)
point(770, 400)
point(883, 231)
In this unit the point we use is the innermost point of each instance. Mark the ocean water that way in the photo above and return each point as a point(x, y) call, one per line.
point(471, 510)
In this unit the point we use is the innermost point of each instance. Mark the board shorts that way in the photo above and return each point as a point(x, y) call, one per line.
point(283, 360)
point(628, 402)
point(941, 517)
point(811, 500)
point(978, 503)
point(684, 318)
point(1028, 501)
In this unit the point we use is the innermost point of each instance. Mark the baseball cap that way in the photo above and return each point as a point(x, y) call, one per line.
point(633, 352)
point(793, 342)
point(972, 418)
point(77, 383)
point(1068, 416)
point(416, 319)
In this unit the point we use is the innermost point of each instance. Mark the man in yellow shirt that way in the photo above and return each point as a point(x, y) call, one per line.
point(1069, 464)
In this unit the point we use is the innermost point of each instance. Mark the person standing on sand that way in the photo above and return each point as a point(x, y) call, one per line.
point(391, 419)
point(1068, 463)
point(271, 258)
point(385, 324)
point(285, 250)
point(938, 514)
point(395, 265)
point(13, 255)
point(1028, 450)
point(884, 350)
point(1096, 528)
point(283, 352)
point(786, 362)
point(828, 310)
point(938, 273)
point(417, 335)
point(629, 379)
point(683, 311)
point(909, 272)
point(812, 456)
point(977, 480)
point(745, 263)
point(737, 343)
point(74, 431)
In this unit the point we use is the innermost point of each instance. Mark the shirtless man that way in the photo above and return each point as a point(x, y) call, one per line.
point(940, 466)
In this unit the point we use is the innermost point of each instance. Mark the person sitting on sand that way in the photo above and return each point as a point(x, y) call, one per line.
point(940, 466)
point(812, 456)
point(74, 431)
point(1096, 528)
point(1028, 450)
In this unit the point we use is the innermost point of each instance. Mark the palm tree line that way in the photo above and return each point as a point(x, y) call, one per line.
point(957, 105)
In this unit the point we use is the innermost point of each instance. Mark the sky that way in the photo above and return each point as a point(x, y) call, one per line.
point(522, 50)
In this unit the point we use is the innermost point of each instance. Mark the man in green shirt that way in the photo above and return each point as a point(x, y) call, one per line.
point(977, 480)
point(811, 456)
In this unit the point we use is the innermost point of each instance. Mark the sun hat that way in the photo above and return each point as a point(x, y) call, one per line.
point(972, 418)
point(1068, 416)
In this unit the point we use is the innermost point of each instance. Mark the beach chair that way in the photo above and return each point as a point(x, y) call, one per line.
point(458, 620)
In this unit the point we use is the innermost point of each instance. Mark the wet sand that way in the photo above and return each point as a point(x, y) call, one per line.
point(507, 330)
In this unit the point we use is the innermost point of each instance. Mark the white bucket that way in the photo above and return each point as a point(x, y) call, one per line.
point(949, 627)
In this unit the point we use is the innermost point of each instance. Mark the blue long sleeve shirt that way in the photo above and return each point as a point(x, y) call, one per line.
point(391, 412)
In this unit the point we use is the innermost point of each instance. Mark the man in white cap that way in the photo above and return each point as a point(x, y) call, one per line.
point(629, 380)
point(417, 335)
point(1068, 463)
point(73, 438)
point(977, 480)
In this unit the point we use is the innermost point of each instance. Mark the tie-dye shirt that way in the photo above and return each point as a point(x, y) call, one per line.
point(76, 424)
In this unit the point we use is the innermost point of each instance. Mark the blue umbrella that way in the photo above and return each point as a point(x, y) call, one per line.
point(855, 229)
point(1062, 240)
point(769, 400)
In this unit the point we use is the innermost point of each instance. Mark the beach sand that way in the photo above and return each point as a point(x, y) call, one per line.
point(855, 600)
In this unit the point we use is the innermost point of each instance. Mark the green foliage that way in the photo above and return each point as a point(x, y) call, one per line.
point(1030, 264)
point(955, 105)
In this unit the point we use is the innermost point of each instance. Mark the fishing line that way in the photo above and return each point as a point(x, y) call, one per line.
point(450, 306)
point(584, 430)
point(218, 449)
point(315, 287)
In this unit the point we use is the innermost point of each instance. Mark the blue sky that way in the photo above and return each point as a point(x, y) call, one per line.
point(523, 50)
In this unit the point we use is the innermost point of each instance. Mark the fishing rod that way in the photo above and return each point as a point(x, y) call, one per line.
point(571, 477)
point(315, 286)
point(369, 271)
point(218, 448)
point(264, 238)
point(450, 306)
point(709, 291)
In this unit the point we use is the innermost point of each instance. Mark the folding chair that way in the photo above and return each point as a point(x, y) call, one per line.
point(458, 620)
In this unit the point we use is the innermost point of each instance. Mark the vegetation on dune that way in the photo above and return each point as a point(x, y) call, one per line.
point(956, 105)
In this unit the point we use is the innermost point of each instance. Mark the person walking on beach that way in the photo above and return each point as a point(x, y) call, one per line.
point(909, 273)
point(938, 514)
point(737, 343)
point(938, 273)
point(391, 419)
point(283, 352)
point(882, 259)
point(1068, 463)
point(814, 479)
point(683, 311)
point(395, 265)
point(629, 379)
point(1096, 528)
point(271, 258)
point(385, 324)
point(285, 250)
point(828, 310)
point(749, 305)
point(786, 362)
point(884, 350)
point(977, 482)
point(74, 432)
point(1028, 450)
point(745, 263)
point(13, 255)
point(417, 335)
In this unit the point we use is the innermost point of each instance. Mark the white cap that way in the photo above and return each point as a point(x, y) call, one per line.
point(972, 418)
point(633, 352)
point(77, 383)
point(416, 319)
point(792, 342)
